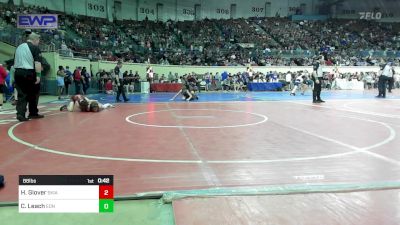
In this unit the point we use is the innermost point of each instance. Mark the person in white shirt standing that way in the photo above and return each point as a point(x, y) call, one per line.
point(288, 79)
point(150, 76)
point(335, 76)
point(250, 73)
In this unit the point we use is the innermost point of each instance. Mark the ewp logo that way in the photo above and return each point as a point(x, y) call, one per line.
point(38, 21)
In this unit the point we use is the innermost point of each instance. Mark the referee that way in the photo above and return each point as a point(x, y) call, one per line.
point(317, 76)
point(384, 79)
point(119, 81)
point(27, 77)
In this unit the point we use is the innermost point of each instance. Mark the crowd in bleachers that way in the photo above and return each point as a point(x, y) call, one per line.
point(255, 41)
point(104, 81)
point(81, 80)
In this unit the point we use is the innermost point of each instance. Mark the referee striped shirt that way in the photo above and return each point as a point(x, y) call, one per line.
point(26, 55)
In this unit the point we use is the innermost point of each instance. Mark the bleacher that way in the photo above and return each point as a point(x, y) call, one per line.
point(231, 42)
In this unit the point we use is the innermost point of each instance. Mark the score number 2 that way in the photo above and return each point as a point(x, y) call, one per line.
point(106, 192)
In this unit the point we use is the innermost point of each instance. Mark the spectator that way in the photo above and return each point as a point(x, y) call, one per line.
point(77, 80)
point(60, 81)
point(3, 75)
point(67, 80)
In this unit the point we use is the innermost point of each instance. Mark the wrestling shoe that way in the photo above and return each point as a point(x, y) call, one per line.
point(38, 116)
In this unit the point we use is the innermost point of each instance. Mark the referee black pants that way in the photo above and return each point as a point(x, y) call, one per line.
point(317, 90)
point(391, 83)
point(121, 90)
point(33, 108)
point(382, 83)
point(25, 85)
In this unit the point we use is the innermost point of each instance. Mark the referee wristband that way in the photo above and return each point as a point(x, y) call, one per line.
point(38, 74)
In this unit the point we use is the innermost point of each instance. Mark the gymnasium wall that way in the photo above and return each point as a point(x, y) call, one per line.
point(185, 9)
point(175, 9)
point(73, 63)
point(6, 52)
point(181, 70)
point(351, 9)
point(55, 60)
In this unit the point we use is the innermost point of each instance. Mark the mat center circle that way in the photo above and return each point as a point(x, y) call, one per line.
point(196, 118)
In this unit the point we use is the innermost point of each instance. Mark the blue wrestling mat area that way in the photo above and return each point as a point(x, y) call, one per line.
point(241, 96)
